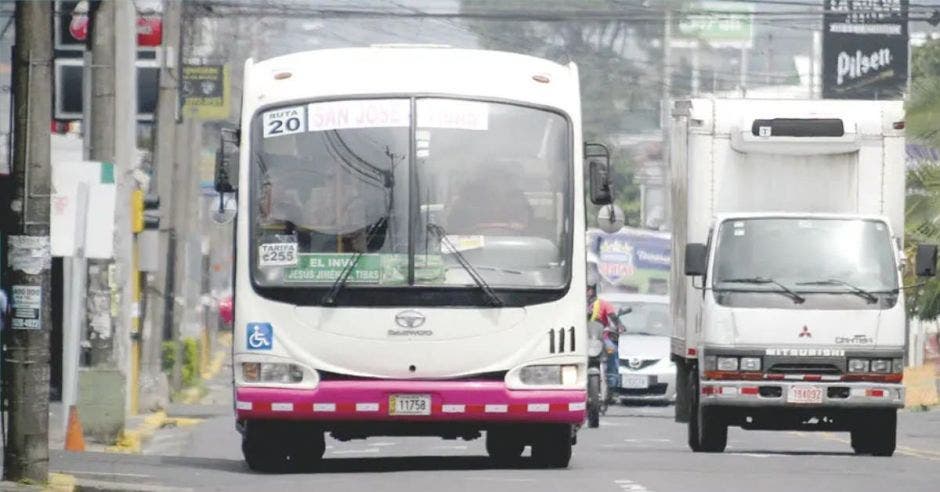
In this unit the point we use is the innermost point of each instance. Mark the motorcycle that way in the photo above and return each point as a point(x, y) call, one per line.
point(597, 387)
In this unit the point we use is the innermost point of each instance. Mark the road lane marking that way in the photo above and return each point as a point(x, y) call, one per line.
point(631, 486)
point(450, 447)
point(383, 444)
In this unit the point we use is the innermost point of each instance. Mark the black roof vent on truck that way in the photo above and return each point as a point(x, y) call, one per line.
point(797, 127)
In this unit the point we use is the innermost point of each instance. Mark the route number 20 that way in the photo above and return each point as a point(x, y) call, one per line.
point(284, 121)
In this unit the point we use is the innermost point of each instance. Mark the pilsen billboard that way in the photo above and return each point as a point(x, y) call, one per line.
point(865, 46)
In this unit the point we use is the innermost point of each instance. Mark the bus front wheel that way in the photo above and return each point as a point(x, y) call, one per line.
point(552, 447)
point(277, 447)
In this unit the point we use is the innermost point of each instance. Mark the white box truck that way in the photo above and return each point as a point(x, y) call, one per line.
point(788, 303)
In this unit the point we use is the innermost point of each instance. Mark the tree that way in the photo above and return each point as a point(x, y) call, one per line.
point(922, 215)
point(621, 83)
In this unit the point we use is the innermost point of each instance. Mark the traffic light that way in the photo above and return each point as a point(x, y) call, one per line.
point(144, 211)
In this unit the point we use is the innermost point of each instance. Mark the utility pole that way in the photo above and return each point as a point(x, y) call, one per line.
point(26, 455)
point(112, 133)
point(162, 305)
point(100, 135)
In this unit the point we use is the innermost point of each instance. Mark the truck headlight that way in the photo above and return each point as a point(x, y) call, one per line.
point(897, 365)
point(858, 365)
point(881, 365)
point(727, 363)
point(549, 375)
point(711, 362)
point(750, 363)
point(265, 372)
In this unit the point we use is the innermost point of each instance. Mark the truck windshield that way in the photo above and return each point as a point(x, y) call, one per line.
point(382, 177)
point(852, 260)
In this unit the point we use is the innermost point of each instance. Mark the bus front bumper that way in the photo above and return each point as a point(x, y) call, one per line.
point(451, 401)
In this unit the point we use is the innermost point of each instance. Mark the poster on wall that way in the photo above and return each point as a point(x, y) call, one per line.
point(865, 49)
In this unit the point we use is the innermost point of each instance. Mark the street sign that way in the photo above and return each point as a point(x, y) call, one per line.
point(720, 24)
point(205, 91)
point(865, 49)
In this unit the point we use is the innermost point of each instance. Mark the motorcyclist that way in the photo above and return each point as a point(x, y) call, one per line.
point(606, 314)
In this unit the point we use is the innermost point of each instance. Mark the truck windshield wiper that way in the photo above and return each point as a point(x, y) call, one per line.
point(864, 294)
point(474, 274)
point(798, 299)
point(329, 299)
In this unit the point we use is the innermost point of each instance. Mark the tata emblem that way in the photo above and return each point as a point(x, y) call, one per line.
point(635, 363)
point(409, 319)
point(805, 333)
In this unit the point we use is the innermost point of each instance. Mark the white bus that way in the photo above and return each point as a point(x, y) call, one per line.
point(410, 241)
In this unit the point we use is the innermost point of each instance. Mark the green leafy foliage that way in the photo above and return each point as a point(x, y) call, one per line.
point(922, 214)
point(190, 367)
point(168, 356)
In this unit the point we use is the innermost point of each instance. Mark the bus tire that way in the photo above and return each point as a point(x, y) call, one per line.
point(264, 456)
point(552, 447)
point(503, 446)
point(876, 433)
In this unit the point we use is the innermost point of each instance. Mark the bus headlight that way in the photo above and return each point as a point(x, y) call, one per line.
point(549, 375)
point(265, 372)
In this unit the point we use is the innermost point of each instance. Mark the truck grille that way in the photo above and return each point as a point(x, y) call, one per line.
point(804, 368)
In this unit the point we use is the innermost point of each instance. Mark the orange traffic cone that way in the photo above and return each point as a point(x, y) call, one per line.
point(74, 435)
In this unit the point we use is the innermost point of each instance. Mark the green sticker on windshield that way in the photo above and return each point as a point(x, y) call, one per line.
point(370, 269)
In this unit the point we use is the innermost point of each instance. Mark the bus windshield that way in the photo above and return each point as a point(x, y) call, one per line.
point(405, 186)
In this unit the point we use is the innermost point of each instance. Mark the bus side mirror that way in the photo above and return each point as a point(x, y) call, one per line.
point(598, 158)
point(926, 262)
point(696, 259)
point(226, 161)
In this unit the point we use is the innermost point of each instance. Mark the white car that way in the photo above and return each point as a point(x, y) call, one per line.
point(646, 372)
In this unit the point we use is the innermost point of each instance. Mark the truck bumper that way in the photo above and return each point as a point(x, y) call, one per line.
point(451, 401)
point(764, 394)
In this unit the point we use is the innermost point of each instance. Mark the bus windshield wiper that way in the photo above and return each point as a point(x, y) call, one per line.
point(330, 298)
point(474, 274)
point(864, 294)
point(798, 299)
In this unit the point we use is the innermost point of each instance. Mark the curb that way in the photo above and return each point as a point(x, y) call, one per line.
point(60, 482)
point(131, 440)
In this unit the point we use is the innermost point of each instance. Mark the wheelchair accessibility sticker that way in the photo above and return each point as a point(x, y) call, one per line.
point(260, 336)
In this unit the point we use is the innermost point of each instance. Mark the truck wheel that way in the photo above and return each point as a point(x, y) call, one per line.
point(692, 423)
point(503, 446)
point(594, 403)
point(552, 447)
point(712, 430)
point(876, 433)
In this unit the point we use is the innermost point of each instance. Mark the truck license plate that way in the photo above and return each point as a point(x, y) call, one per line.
point(805, 394)
point(634, 382)
point(409, 404)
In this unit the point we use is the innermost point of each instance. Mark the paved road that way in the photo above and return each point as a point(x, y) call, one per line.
point(636, 449)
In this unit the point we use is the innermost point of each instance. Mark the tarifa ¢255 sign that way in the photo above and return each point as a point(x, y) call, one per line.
point(865, 45)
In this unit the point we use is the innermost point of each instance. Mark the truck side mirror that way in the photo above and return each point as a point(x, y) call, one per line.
point(696, 259)
point(926, 262)
point(598, 158)
point(226, 161)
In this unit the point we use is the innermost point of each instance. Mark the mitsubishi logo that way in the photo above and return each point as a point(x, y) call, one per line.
point(805, 333)
point(409, 319)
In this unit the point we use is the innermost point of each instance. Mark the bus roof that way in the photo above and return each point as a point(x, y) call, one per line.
point(410, 70)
